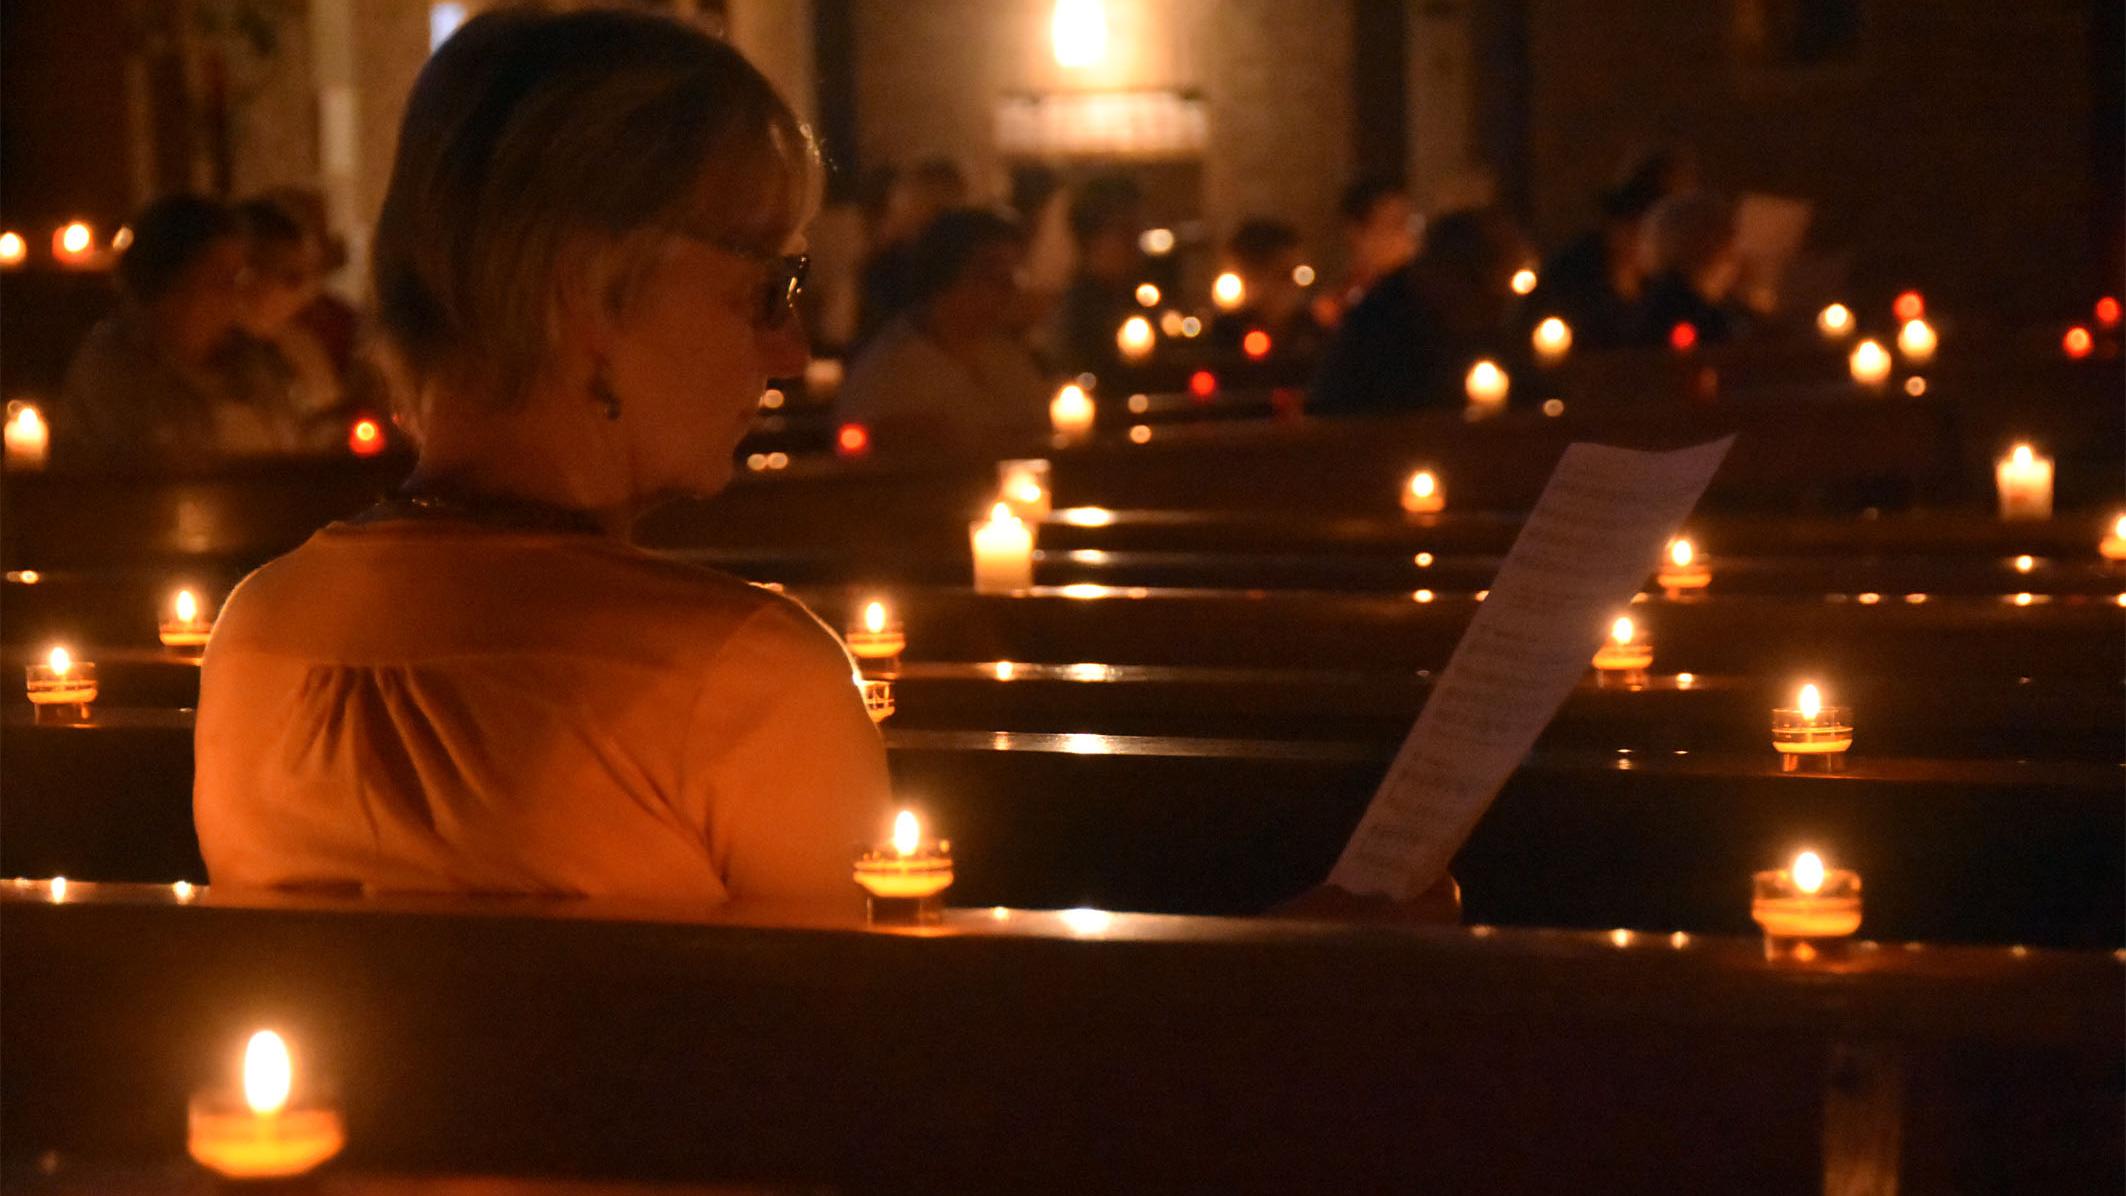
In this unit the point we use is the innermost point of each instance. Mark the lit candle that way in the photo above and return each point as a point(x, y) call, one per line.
point(1134, 338)
point(1870, 364)
point(1147, 294)
point(1625, 656)
point(1681, 570)
point(876, 639)
point(1552, 339)
point(260, 1136)
point(1422, 494)
point(1070, 413)
point(2113, 546)
point(1228, 292)
point(878, 697)
point(1811, 732)
point(74, 243)
point(1916, 340)
point(1835, 321)
point(1523, 281)
point(1023, 486)
point(1804, 904)
point(62, 688)
point(182, 626)
point(1486, 385)
point(823, 377)
point(1003, 553)
point(904, 877)
point(28, 438)
point(2024, 480)
point(1909, 305)
point(13, 250)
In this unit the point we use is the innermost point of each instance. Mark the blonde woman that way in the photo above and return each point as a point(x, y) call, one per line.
point(584, 272)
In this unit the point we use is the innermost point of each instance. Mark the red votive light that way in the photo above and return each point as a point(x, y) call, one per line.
point(2107, 312)
point(2077, 342)
point(1256, 344)
point(852, 440)
point(1909, 306)
point(1683, 337)
point(1203, 384)
point(365, 438)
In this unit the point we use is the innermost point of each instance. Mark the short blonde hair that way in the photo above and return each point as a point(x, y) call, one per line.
point(530, 128)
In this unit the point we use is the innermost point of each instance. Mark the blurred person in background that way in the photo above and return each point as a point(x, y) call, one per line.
point(1410, 342)
point(1691, 268)
point(953, 374)
point(1381, 228)
point(1596, 282)
point(912, 201)
point(164, 380)
point(331, 320)
point(1266, 255)
point(293, 372)
point(1106, 219)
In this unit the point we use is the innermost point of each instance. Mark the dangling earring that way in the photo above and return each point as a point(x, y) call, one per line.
point(602, 392)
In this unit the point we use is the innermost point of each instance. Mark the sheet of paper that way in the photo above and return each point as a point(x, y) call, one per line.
point(1594, 537)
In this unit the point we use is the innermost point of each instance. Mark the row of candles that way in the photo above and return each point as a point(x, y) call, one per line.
point(266, 1129)
point(73, 245)
point(28, 437)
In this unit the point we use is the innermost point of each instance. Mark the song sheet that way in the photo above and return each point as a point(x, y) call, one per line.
point(1595, 535)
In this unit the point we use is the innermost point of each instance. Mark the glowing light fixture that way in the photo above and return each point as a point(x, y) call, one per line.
point(1078, 33)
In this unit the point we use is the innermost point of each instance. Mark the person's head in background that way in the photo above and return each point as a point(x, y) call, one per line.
point(1466, 268)
point(1691, 236)
point(1106, 218)
point(307, 206)
point(1381, 226)
point(917, 196)
point(1264, 253)
point(574, 326)
point(184, 275)
point(1033, 185)
point(285, 268)
point(965, 276)
point(1645, 179)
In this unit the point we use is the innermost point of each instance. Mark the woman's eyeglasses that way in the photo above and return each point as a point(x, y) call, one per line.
point(779, 287)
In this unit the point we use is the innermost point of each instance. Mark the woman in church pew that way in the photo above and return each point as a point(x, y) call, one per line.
point(482, 685)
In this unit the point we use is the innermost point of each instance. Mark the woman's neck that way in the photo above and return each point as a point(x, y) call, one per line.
point(540, 452)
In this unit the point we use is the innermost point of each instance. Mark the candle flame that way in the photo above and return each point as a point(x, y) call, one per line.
point(1422, 483)
point(1486, 381)
point(75, 237)
point(186, 606)
point(1808, 872)
point(875, 617)
point(1001, 513)
point(2119, 529)
point(12, 248)
point(1622, 630)
point(1810, 702)
point(1227, 291)
point(1147, 295)
point(1025, 489)
point(907, 833)
point(62, 661)
point(1553, 335)
point(1523, 281)
point(268, 1073)
point(1869, 362)
point(2023, 455)
point(28, 422)
point(1135, 335)
point(1681, 552)
point(1916, 338)
point(1835, 318)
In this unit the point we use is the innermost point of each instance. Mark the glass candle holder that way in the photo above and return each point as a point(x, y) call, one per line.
point(1625, 656)
point(877, 640)
point(878, 699)
point(1816, 739)
point(1683, 572)
point(2113, 546)
point(1799, 921)
point(62, 690)
point(258, 1133)
point(1423, 494)
point(902, 880)
point(181, 627)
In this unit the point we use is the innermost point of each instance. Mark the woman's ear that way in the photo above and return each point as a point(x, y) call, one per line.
point(583, 313)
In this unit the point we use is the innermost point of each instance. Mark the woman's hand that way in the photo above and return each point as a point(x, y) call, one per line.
point(1440, 905)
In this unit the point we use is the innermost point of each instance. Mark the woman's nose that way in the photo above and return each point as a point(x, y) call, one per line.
point(785, 349)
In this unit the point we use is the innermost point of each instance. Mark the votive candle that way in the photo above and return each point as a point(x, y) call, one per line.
point(259, 1135)
point(1809, 732)
point(903, 877)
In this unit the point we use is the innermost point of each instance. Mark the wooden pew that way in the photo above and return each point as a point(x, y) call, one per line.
point(1656, 839)
point(1037, 1052)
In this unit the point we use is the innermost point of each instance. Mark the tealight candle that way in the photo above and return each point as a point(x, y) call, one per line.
point(260, 1137)
point(1552, 340)
point(1486, 385)
point(878, 697)
point(13, 250)
point(28, 439)
point(1422, 494)
point(1870, 364)
point(1134, 338)
point(1003, 552)
point(2113, 546)
point(74, 243)
point(1811, 732)
point(1228, 292)
point(1625, 656)
point(1801, 906)
point(1835, 321)
point(182, 627)
point(1916, 340)
point(62, 688)
point(1023, 486)
point(876, 639)
point(1070, 413)
point(902, 879)
point(1523, 281)
point(2024, 480)
point(1681, 570)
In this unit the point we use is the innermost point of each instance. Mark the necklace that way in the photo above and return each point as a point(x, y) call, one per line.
point(439, 501)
